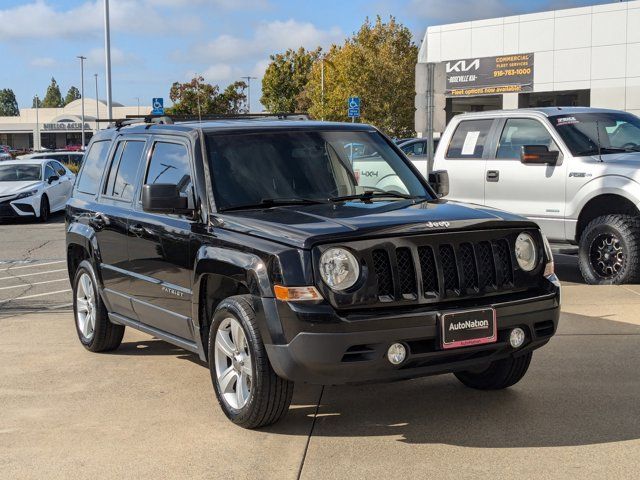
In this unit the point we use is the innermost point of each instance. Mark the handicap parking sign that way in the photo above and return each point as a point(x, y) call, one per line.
point(353, 107)
point(158, 106)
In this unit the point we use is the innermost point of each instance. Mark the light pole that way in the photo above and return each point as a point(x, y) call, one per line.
point(248, 79)
point(107, 54)
point(82, 59)
point(322, 86)
point(37, 125)
point(138, 100)
point(95, 75)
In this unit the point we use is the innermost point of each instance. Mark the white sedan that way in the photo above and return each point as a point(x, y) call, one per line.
point(33, 188)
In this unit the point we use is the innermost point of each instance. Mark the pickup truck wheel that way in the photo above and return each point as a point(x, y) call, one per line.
point(95, 330)
point(500, 374)
point(249, 391)
point(610, 250)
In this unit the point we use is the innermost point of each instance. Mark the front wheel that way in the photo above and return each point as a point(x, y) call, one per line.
point(44, 209)
point(610, 250)
point(249, 391)
point(500, 374)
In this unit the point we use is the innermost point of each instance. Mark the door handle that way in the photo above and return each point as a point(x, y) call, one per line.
point(493, 175)
point(138, 230)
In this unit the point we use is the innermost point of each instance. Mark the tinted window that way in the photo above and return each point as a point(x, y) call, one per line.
point(169, 164)
point(469, 139)
point(113, 168)
point(49, 171)
point(93, 167)
point(125, 176)
point(60, 170)
point(418, 148)
point(518, 132)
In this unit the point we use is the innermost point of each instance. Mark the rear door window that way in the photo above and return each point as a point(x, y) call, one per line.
point(469, 139)
point(93, 167)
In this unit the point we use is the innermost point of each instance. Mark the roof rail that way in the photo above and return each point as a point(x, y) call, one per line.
point(135, 119)
point(231, 116)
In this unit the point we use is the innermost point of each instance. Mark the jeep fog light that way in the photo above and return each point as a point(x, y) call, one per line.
point(397, 353)
point(526, 253)
point(516, 337)
point(339, 268)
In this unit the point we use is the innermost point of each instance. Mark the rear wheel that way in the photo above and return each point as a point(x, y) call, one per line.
point(249, 391)
point(44, 209)
point(500, 374)
point(95, 330)
point(610, 250)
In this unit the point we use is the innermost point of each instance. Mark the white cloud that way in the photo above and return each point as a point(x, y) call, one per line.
point(96, 58)
point(39, 19)
point(219, 73)
point(44, 62)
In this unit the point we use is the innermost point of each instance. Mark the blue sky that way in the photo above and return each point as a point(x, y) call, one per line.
point(157, 42)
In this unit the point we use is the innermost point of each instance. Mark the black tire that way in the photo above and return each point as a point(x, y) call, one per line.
point(599, 262)
point(269, 396)
point(106, 335)
point(500, 374)
point(45, 209)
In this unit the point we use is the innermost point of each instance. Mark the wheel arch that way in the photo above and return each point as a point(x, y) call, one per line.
point(604, 204)
point(82, 245)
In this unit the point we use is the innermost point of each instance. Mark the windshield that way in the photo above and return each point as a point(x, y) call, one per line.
point(316, 165)
point(19, 173)
point(593, 133)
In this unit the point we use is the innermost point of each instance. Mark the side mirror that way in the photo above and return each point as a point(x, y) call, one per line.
point(538, 155)
point(52, 179)
point(163, 198)
point(439, 181)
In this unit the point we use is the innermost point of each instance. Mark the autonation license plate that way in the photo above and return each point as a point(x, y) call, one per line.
point(468, 327)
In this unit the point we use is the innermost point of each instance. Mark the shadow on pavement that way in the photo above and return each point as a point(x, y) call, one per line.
point(567, 268)
point(54, 218)
point(581, 389)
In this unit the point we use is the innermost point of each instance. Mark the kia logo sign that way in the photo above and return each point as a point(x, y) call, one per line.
point(462, 65)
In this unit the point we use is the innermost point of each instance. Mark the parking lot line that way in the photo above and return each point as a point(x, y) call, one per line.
point(32, 265)
point(33, 284)
point(32, 274)
point(34, 296)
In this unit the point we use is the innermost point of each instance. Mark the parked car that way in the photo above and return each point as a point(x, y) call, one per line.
point(5, 156)
point(72, 160)
point(417, 146)
point(34, 188)
point(573, 170)
point(5, 149)
point(253, 245)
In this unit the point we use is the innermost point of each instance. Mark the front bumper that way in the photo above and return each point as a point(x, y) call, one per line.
point(356, 354)
point(25, 207)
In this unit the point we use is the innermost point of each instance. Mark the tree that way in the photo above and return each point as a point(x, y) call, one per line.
point(72, 94)
point(197, 96)
point(53, 97)
point(376, 64)
point(37, 100)
point(8, 103)
point(284, 81)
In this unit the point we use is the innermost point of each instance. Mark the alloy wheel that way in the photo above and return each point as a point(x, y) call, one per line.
point(607, 255)
point(234, 373)
point(85, 307)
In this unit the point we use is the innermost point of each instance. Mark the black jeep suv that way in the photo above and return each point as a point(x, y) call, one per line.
point(287, 251)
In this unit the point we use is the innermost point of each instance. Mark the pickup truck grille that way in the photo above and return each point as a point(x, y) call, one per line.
point(439, 267)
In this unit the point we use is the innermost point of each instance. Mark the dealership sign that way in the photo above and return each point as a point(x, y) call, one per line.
point(489, 75)
point(65, 126)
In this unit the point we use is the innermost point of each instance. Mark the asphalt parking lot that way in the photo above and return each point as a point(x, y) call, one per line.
point(148, 409)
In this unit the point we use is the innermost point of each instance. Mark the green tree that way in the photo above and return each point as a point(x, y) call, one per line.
point(8, 103)
point(376, 64)
point(37, 100)
point(72, 94)
point(53, 97)
point(197, 96)
point(284, 81)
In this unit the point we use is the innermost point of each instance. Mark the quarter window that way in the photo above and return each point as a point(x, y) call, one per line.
point(169, 164)
point(122, 178)
point(518, 132)
point(93, 167)
point(469, 139)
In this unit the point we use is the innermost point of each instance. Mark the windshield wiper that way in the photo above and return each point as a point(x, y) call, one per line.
point(370, 194)
point(274, 202)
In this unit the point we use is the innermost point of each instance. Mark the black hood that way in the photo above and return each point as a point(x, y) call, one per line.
point(305, 226)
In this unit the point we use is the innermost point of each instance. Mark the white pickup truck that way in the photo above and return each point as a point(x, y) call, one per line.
point(573, 170)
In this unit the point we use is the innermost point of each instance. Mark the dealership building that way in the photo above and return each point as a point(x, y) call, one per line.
point(55, 128)
point(586, 56)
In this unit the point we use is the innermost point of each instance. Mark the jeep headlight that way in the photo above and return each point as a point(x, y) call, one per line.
point(339, 268)
point(27, 194)
point(526, 252)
